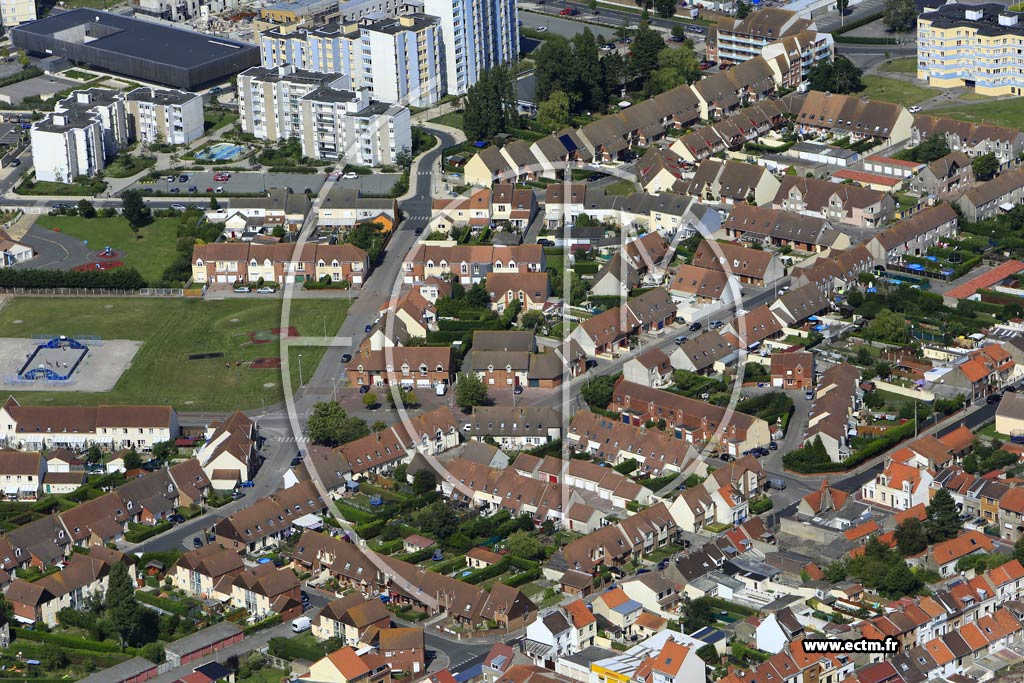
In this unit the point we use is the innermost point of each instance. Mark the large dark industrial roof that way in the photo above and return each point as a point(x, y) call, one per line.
point(135, 38)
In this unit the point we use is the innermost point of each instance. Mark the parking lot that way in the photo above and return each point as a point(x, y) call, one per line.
point(251, 183)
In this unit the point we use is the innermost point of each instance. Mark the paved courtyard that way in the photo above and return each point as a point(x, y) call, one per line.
point(54, 250)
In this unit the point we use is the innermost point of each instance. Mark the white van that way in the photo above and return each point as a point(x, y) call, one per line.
point(441, 389)
point(302, 624)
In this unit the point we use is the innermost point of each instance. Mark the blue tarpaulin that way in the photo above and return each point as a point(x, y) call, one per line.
point(915, 266)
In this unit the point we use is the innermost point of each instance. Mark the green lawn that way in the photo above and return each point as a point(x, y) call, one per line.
point(51, 189)
point(150, 252)
point(900, 65)
point(265, 676)
point(892, 90)
point(217, 117)
point(975, 97)
point(127, 165)
point(620, 187)
point(1000, 112)
point(453, 119)
point(170, 330)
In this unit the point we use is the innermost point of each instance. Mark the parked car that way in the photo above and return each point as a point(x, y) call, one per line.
point(541, 29)
point(569, 12)
point(297, 460)
point(175, 190)
point(16, 162)
point(235, 495)
point(914, 110)
point(716, 324)
point(365, 389)
point(247, 484)
point(695, 325)
point(777, 484)
point(518, 390)
point(221, 177)
point(218, 190)
point(179, 207)
point(774, 445)
point(242, 290)
point(183, 178)
point(367, 329)
point(725, 457)
point(193, 189)
point(346, 357)
point(681, 338)
point(176, 518)
point(197, 542)
point(544, 242)
point(994, 398)
point(350, 176)
point(265, 290)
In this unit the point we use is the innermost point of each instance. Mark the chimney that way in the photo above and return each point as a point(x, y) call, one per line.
point(1008, 19)
point(406, 21)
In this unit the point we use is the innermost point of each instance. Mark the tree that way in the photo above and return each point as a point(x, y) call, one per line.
point(665, 8)
point(930, 149)
point(331, 425)
point(378, 426)
point(424, 481)
point(1018, 549)
point(598, 391)
point(532, 320)
point(369, 237)
point(478, 297)
point(586, 72)
point(470, 391)
point(900, 581)
point(742, 9)
point(676, 66)
point(370, 400)
point(23, 58)
point(985, 166)
point(214, 204)
point(888, 327)
point(524, 544)
point(490, 104)
point(900, 16)
point(134, 209)
point(614, 74)
point(709, 653)
point(132, 461)
point(840, 76)
point(553, 113)
point(911, 537)
point(86, 209)
point(700, 613)
point(943, 521)
point(437, 520)
point(122, 609)
point(647, 45)
point(678, 32)
point(551, 71)
point(54, 658)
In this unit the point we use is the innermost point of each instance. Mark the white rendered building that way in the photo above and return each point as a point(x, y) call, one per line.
point(171, 116)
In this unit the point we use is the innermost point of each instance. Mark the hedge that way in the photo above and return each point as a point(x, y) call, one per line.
point(887, 440)
point(24, 75)
point(166, 604)
point(523, 578)
point(492, 572)
point(450, 565)
point(137, 533)
point(272, 620)
point(294, 169)
point(74, 642)
point(118, 278)
point(354, 514)
point(469, 325)
point(369, 529)
point(860, 40)
point(863, 21)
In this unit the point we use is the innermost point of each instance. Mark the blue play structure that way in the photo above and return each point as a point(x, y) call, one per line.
point(54, 360)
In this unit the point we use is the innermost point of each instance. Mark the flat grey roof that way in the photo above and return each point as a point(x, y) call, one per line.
point(208, 636)
point(158, 96)
point(136, 38)
point(73, 119)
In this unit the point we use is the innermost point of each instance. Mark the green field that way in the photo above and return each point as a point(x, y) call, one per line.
point(900, 65)
point(892, 90)
point(150, 252)
point(1000, 112)
point(621, 187)
point(171, 330)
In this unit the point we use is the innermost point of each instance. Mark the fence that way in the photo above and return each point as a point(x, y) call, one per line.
point(88, 291)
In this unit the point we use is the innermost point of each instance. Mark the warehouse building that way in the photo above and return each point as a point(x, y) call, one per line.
point(138, 49)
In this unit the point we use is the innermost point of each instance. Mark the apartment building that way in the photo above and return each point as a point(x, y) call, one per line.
point(477, 35)
point(971, 45)
point(67, 145)
point(268, 99)
point(399, 59)
point(109, 106)
point(17, 12)
point(173, 117)
point(336, 124)
point(734, 41)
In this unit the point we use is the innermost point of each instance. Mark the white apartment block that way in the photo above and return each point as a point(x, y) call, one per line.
point(109, 105)
point(477, 35)
point(399, 59)
point(171, 116)
point(347, 124)
point(268, 99)
point(66, 145)
point(17, 12)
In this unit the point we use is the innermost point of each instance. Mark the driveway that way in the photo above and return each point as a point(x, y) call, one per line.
point(54, 250)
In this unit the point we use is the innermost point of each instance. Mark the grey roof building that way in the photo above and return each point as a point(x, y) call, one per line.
point(131, 47)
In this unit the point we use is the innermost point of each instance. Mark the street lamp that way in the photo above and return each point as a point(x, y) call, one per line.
point(300, 370)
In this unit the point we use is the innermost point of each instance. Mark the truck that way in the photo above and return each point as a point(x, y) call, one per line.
point(301, 624)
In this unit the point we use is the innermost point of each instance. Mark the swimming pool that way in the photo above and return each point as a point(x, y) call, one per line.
point(222, 151)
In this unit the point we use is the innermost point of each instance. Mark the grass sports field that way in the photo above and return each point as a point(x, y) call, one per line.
point(171, 330)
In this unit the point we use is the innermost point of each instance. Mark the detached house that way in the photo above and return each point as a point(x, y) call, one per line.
point(898, 487)
point(230, 453)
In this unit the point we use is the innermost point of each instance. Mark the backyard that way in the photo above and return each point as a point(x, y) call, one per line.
point(892, 90)
point(149, 252)
point(172, 329)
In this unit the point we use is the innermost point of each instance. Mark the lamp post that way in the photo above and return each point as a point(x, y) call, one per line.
point(300, 370)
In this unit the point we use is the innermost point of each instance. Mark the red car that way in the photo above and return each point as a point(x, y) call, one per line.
point(569, 12)
point(221, 177)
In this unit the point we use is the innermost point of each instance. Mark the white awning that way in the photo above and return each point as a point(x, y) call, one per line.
point(1006, 206)
point(11, 490)
point(309, 521)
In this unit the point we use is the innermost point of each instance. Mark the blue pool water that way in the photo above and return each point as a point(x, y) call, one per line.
point(222, 151)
